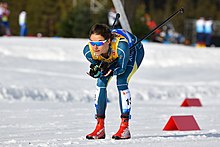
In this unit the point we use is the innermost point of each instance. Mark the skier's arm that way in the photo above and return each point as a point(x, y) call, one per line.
point(123, 58)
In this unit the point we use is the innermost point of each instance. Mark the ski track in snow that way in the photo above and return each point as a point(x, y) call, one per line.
point(66, 124)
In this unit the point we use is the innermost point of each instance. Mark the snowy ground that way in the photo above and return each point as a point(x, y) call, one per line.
point(46, 99)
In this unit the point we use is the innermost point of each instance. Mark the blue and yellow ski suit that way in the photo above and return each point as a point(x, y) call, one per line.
point(127, 62)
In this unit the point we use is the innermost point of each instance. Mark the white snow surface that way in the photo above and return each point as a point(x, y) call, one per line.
point(46, 97)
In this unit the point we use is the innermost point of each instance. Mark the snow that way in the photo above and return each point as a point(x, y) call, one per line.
point(46, 98)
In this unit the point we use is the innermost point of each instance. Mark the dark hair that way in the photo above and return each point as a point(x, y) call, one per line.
point(101, 29)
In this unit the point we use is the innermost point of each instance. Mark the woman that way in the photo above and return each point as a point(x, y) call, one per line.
point(109, 54)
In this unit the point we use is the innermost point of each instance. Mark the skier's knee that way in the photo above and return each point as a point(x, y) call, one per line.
point(102, 83)
point(122, 84)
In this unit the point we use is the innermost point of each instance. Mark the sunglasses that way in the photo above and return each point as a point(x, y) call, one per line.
point(97, 43)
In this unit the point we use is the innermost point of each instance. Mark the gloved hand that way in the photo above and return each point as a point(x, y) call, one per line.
point(95, 71)
point(104, 67)
point(101, 70)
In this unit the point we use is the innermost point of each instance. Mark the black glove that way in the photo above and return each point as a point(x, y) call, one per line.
point(95, 71)
point(102, 69)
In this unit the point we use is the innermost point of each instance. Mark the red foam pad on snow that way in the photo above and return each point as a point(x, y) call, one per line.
point(181, 123)
point(188, 102)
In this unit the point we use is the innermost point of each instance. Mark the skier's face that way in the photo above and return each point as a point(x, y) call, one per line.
point(99, 44)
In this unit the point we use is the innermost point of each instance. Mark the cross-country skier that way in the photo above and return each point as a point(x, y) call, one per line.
point(109, 54)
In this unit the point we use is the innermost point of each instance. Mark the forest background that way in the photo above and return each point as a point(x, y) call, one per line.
point(74, 18)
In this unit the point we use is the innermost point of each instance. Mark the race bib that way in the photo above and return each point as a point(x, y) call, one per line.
point(126, 100)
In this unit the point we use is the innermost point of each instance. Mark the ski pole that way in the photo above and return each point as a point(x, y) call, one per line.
point(116, 19)
point(181, 10)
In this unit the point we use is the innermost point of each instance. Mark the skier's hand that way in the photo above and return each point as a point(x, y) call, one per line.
point(95, 71)
point(101, 70)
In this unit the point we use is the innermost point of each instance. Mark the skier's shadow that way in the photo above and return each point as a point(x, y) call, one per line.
point(215, 135)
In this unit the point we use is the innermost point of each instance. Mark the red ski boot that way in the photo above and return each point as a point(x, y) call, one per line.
point(123, 132)
point(99, 132)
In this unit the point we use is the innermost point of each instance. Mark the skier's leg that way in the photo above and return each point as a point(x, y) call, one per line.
point(125, 105)
point(100, 105)
point(124, 92)
point(136, 58)
point(101, 96)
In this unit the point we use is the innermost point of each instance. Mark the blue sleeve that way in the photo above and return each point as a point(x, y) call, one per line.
point(88, 55)
point(123, 58)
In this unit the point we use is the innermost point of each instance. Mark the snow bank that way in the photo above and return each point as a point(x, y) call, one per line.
point(53, 69)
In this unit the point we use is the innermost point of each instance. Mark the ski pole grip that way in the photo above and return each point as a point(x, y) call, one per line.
point(117, 16)
point(116, 19)
point(181, 10)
